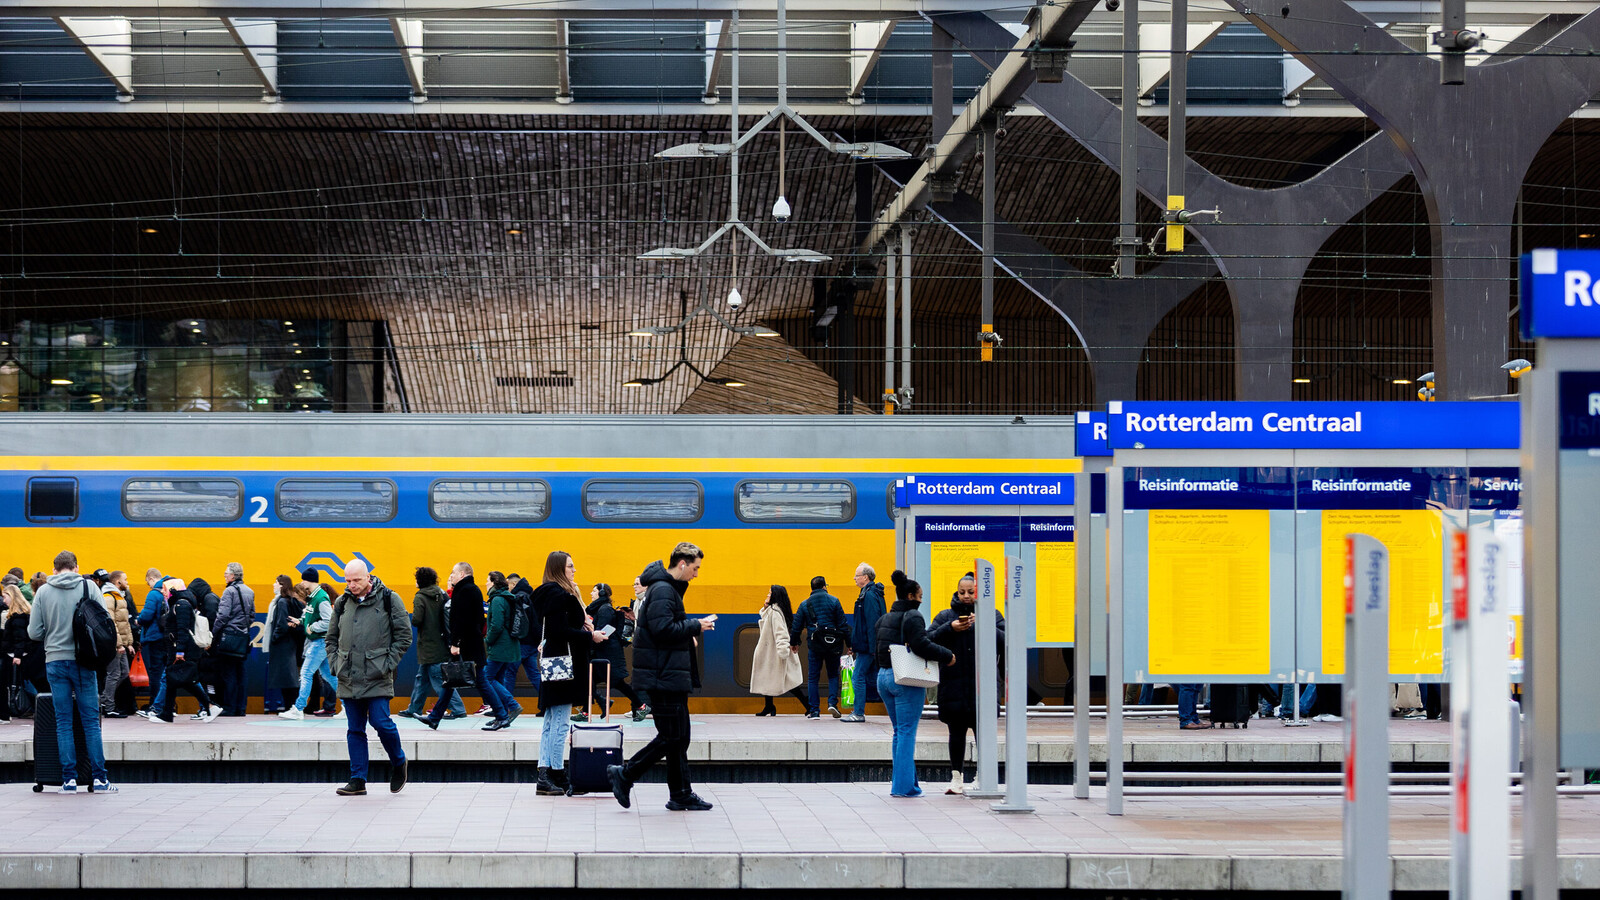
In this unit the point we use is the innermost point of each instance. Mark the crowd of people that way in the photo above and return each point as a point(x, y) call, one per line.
point(343, 643)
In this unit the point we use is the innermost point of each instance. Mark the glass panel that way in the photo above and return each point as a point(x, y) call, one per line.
point(796, 501)
point(642, 501)
point(192, 500)
point(335, 501)
point(490, 501)
point(53, 499)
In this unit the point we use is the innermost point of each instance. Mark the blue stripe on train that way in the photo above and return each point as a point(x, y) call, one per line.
point(100, 498)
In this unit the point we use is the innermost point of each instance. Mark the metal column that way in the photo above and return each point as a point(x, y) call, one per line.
point(1021, 602)
point(890, 283)
point(1366, 720)
point(1113, 640)
point(986, 343)
point(1177, 103)
point(985, 668)
point(905, 319)
point(1128, 236)
point(1084, 549)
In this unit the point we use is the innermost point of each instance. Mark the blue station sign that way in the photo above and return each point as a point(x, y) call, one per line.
point(1257, 425)
point(984, 490)
point(1561, 294)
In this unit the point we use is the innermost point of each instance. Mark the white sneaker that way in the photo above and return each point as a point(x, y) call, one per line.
point(213, 714)
point(958, 785)
point(70, 786)
point(1327, 717)
point(102, 786)
point(293, 714)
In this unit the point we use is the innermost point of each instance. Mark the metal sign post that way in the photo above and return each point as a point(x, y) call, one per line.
point(988, 691)
point(1561, 490)
point(1082, 649)
point(1480, 763)
point(1114, 649)
point(1366, 719)
point(1020, 614)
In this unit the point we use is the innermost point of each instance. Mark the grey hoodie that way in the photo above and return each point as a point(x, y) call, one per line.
point(52, 615)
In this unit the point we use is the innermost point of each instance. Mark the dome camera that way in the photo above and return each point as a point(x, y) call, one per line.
point(780, 210)
point(735, 299)
point(1113, 5)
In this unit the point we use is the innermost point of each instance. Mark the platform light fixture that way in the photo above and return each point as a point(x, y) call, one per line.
point(61, 381)
point(1302, 381)
point(1402, 381)
point(1518, 367)
point(680, 329)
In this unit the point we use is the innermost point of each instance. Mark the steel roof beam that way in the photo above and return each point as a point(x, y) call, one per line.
point(258, 41)
point(109, 42)
point(408, 34)
point(867, 40)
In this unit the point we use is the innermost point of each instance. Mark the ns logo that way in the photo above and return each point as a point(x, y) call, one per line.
point(330, 564)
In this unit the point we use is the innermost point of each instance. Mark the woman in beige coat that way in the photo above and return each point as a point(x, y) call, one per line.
point(775, 670)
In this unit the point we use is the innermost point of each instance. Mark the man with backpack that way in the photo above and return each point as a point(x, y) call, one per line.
point(369, 632)
point(235, 612)
point(190, 633)
point(319, 610)
point(522, 594)
point(70, 618)
point(823, 616)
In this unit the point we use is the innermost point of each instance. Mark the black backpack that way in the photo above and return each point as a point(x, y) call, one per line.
point(521, 616)
point(94, 634)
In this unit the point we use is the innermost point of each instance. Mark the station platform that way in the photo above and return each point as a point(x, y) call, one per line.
point(813, 745)
point(180, 837)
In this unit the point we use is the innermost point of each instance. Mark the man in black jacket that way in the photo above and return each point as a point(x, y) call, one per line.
point(663, 663)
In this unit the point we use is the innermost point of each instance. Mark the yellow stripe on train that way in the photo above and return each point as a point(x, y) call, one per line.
point(740, 563)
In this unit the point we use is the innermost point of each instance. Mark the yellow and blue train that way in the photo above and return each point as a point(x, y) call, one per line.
point(772, 500)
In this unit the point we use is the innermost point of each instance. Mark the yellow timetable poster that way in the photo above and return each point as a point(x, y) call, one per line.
point(953, 560)
point(1210, 592)
point(1415, 538)
point(1056, 581)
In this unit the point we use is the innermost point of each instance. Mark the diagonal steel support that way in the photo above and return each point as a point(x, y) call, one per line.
point(1263, 285)
point(1469, 146)
point(1113, 318)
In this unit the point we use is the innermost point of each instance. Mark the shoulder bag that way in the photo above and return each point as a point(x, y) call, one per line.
point(459, 673)
point(910, 669)
point(554, 668)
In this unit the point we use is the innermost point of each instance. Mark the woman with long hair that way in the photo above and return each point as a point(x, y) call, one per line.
point(504, 650)
point(21, 656)
point(607, 662)
point(563, 664)
point(903, 624)
point(775, 669)
point(281, 643)
point(958, 688)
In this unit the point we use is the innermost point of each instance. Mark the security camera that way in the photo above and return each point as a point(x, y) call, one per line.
point(1113, 5)
point(780, 210)
point(735, 299)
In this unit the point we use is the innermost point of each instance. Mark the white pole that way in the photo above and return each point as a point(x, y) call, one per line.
point(891, 282)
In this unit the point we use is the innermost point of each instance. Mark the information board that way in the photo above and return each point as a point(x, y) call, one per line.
point(1056, 584)
point(1403, 509)
point(1579, 591)
point(1210, 583)
point(949, 561)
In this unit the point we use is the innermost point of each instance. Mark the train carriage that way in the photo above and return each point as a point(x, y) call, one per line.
point(772, 500)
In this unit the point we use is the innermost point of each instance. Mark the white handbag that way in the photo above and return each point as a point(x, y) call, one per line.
point(910, 669)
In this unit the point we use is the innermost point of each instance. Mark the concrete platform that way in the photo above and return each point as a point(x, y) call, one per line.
point(735, 739)
point(781, 836)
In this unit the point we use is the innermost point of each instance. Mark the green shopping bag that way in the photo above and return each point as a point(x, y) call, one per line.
point(847, 685)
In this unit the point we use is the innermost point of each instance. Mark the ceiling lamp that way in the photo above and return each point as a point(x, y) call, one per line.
point(683, 341)
point(731, 150)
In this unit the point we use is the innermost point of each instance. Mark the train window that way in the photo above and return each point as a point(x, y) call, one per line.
point(795, 501)
point(336, 500)
point(643, 501)
point(52, 499)
point(489, 501)
point(183, 500)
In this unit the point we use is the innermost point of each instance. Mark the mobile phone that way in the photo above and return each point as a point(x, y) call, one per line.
point(608, 629)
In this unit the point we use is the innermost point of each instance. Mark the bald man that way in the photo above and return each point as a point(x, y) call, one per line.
point(369, 633)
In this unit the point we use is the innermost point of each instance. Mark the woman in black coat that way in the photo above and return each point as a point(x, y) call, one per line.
point(958, 685)
point(607, 660)
point(567, 633)
point(285, 641)
point(21, 656)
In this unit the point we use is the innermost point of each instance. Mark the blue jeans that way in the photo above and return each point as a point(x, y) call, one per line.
point(530, 664)
point(816, 663)
point(155, 663)
point(1308, 699)
point(504, 676)
point(76, 690)
point(553, 739)
point(865, 672)
point(489, 689)
point(1147, 695)
point(1188, 702)
point(431, 678)
point(357, 714)
point(316, 659)
point(904, 705)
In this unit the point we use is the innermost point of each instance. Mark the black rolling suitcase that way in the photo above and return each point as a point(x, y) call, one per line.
point(47, 754)
point(1230, 705)
point(594, 747)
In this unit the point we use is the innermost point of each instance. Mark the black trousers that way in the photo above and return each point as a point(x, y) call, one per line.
point(230, 671)
point(671, 712)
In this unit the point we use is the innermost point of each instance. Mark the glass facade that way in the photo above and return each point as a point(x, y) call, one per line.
point(181, 365)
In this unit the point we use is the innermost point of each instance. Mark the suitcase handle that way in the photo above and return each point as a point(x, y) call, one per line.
point(588, 699)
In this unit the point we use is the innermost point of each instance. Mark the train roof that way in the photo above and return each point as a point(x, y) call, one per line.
point(291, 435)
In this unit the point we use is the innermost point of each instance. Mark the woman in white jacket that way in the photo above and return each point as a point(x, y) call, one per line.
point(775, 670)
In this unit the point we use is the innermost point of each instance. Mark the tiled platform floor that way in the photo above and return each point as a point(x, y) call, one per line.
point(759, 835)
point(732, 739)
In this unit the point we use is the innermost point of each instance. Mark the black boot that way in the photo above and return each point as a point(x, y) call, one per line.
point(544, 787)
point(769, 710)
point(558, 777)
